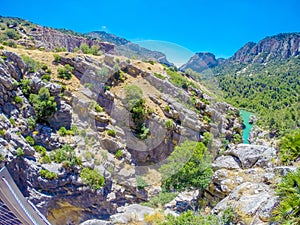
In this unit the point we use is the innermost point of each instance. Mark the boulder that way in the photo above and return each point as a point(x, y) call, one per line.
point(62, 117)
point(127, 214)
point(96, 222)
point(226, 162)
point(253, 155)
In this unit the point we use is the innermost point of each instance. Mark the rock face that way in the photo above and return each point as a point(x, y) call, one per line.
point(129, 49)
point(49, 39)
point(201, 61)
point(281, 46)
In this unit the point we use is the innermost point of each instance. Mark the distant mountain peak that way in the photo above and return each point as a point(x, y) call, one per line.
point(201, 61)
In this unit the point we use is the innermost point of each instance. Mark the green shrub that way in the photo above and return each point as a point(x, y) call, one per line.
point(60, 49)
point(207, 138)
point(32, 65)
point(30, 140)
point(119, 154)
point(289, 147)
point(20, 152)
point(46, 159)
point(31, 123)
point(66, 155)
point(40, 149)
point(188, 166)
point(18, 99)
point(2, 158)
point(141, 183)
point(92, 178)
point(44, 67)
point(98, 108)
point(46, 77)
point(12, 121)
point(65, 72)
point(12, 34)
point(26, 88)
point(160, 200)
point(89, 156)
point(44, 104)
point(64, 132)
point(48, 175)
point(288, 210)
point(158, 75)
point(167, 108)
point(111, 133)
point(2, 132)
point(56, 58)
point(169, 124)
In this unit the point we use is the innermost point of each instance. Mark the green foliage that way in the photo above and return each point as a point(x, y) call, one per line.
point(56, 58)
point(160, 200)
point(32, 65)
point(65, 72)
point(2, 132)
point(290, 147)
point(237, 138)
point(26, 88)
point(30, 140)
point(20, 152)
point(67, 156)
point(2, 158)
point(288, 210)
point(60, 49)
point(48, 175)
point(191, 218)
point(98, 108)
point(64, 132)
point(44, 104)
point(137, 107)
point(272, 91)
point(158, 75)
point(167, 108)
point(188, 166)
point(12, 34)
point(18, 99)
point(85, 48)
point(92, 178)
point(40, 149)
point(46, 159)
point(111, 133)
point(119, 154)
point(169, 124)
point(31, 123)
point(46, 77)
point(12, 121)
point(141, 183)
point(207, 138)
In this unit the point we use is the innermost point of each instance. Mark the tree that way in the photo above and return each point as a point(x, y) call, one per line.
point(290, 147)
point(188, 166)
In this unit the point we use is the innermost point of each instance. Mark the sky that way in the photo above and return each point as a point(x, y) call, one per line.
point(220, 27)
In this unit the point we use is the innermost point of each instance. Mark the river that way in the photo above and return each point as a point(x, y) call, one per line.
point(246, 115)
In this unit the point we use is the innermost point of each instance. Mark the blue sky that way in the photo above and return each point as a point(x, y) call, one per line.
point(219, 26)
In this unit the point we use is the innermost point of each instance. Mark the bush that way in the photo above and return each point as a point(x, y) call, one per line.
point(18, 99)
point(141, 183)
point(67, 156)
point(32, 65)
point(26, 88)
point(40, 149)
point(46, 77)
point(290, 147)
point(44, 104)
point(20, 152)
point(64, 132)
point(288, 210)
point(31, 123)
point(167, 108)
point(188, 166)
point(30, 140)
point(48, 175)
point(98, 108)
point(2, 132)
point(12, 121)
point(119, 154)
point(92, 178)
point(56, 58)
point(158, 75)
point(12, 34)
point(2, 158)
point(111, 133)
point(60, 49)
point(169, 124)
point(160, 200)
point(46, 159)
point(65, 72)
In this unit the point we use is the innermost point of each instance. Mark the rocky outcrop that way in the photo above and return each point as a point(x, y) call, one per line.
point(281, 46)
point(50, 39)
point(200, 61)
point(184, 201)
point(129, 49)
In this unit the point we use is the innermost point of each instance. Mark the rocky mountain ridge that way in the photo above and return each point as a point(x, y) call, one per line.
point(277, 47)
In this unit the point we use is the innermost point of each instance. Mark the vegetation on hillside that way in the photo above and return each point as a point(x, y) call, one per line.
point(290, 147)
point(271, 90)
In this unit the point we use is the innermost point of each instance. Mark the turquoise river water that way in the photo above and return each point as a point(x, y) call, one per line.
point(246, 115)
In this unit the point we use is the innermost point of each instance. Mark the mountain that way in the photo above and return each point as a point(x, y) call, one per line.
point(201, 61)
point(278, 47)
point(129, 49)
